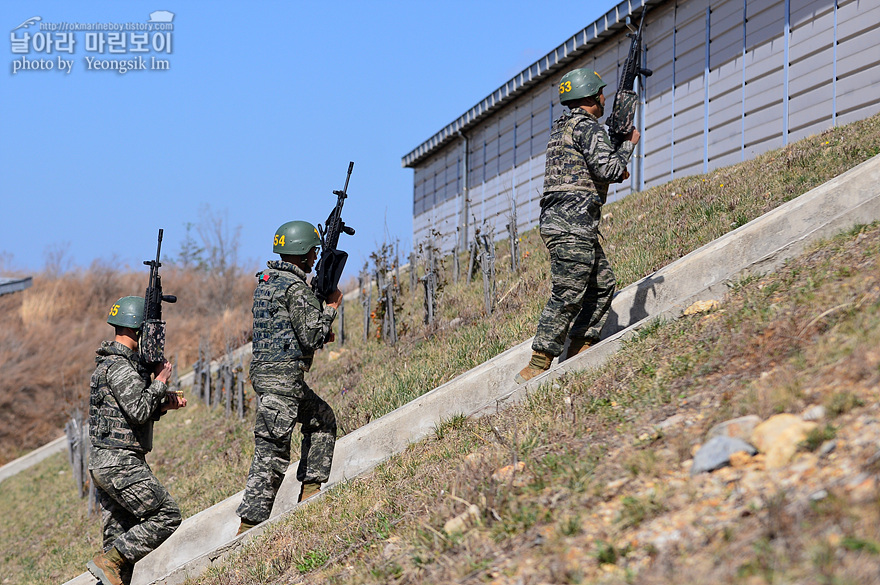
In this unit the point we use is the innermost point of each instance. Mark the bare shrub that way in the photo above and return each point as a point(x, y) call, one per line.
point(49, 333)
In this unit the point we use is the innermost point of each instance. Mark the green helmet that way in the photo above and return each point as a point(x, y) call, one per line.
point(127, 312)
point(296, 238)
point(578, 84)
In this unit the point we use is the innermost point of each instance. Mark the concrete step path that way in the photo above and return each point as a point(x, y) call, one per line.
point(757, 247)
point(18, 465)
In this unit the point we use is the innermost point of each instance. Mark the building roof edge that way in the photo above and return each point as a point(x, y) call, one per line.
point(606, 25)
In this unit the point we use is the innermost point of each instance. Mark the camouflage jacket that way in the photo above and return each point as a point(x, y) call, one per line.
point(581, 159)
point(289, 322)
point(123, 402)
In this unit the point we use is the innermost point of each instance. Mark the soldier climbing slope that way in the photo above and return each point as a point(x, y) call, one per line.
point(138, 514)
point(581, 163)
point(289, 326)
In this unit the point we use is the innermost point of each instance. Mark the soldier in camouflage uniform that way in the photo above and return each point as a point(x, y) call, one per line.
point(289, 326)
point(581, 163)
point(138, 514)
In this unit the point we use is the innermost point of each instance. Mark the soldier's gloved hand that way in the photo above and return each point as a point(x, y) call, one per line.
point(173, 402)
point(634, 136)
point(331, 337)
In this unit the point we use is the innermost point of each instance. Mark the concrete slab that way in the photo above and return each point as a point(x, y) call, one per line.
point(758, 247)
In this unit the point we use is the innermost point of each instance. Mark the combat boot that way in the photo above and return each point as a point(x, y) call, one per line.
point(539, 364)
point(245, 526)
point(308, 490)
point(110, 568)
point(579, 345)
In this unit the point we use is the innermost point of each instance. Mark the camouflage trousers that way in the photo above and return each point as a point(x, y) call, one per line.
point(137, 512)
point(276, 416)
point(583, 283)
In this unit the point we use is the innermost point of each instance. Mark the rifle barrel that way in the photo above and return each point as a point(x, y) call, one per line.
point(347, 177)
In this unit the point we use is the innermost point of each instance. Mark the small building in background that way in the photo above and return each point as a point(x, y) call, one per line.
point(11, 284)
point(732, 79)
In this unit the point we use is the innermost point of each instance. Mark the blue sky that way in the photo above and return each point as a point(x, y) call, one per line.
point(260, 109)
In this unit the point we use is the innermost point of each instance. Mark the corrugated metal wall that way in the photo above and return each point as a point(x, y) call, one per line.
point(732, 79)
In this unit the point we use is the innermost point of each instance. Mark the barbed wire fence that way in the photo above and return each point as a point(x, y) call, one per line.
point(385, 287)
point(201, 387)
point(486, 243)
point(225, 382)
point(472, 252)
point(413, 276)
point(392, 290)
point(430, 279)
point(456, 260)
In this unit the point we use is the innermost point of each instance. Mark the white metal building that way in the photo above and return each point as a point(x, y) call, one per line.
point(732, 79)
point(9, 284)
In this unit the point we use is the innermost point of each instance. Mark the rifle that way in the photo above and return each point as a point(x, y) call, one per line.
point(623, 113)
point(332, 261)
point(152, 344)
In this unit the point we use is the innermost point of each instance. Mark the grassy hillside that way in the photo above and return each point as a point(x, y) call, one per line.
point(588, 481)
point(644, 232)
point(203, 457)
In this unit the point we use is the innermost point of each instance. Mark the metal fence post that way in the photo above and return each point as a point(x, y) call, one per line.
point(456, 264)
point(227, 383)
point(367, 301)
point(389, 313)
point(487, 264)
point(514, 238)
point(77, 454)
point(197, 382)
point(342, 321)
point(380, 291)
point(239, 388)
point(412, 271)
point(218, 386)
point(430, 281)
point(208, 389)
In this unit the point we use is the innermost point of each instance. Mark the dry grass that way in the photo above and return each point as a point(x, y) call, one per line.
point(49, 332)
